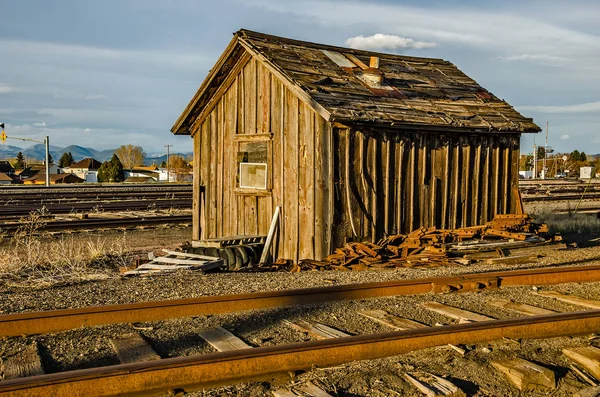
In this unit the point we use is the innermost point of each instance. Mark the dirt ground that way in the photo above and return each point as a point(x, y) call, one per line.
point(85, 348)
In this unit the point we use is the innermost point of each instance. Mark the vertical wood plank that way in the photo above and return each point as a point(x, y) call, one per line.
point(456, 172)
point(414, 206)
point(290, 244)
point(263, 101)
point(320, 181)
point(250, 97)
point(306, 176)
point(197, 182)
point(506, 191)
point(212, 204)
point(496, 169)
point(476, 219)
point(401, 176)
point(447, 154)
point(220, 178)
point(387, 174)
point(514, 174)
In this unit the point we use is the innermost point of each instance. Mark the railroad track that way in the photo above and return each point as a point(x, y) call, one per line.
point(107, 206)
point(100, 223)
point(227, 367)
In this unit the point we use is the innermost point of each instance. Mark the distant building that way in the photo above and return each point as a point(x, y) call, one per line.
point(140, 179)
point(5, 179)
point(6, 168)
point(143, 172)
point(86, 169)
point(40, 179)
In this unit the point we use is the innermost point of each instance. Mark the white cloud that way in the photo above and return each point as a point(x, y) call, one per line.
point(93, 97)
point(42, 124)
point(6, 89)
point(576, 108)
point(87, 130)
point(565, 137)
point(380, 41)
point(536, 57)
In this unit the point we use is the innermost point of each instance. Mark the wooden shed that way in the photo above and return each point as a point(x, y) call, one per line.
point(353, 145)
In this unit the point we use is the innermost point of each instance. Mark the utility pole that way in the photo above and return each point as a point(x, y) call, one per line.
point(545, 151)
point(168, 166)
point(534, 159)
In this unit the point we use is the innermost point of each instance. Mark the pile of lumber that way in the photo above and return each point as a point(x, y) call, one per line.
point(431, 247)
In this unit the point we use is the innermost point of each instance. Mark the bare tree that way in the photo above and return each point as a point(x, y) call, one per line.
point(179, 167)
point(130, 156)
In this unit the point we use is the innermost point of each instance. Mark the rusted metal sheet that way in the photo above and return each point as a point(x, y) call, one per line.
point(62, 320)
point(211, 370)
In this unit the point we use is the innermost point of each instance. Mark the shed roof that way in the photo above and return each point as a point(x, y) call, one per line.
point(5, 166)
point(415, 92)
point(87, 163)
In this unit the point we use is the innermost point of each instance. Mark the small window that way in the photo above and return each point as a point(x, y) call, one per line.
point(253, 176)
point(253, 163)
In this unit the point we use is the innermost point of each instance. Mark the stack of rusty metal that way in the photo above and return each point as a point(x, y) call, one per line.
point(430, 247)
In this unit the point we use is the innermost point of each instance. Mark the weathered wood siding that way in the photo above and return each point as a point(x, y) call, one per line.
point(257, 102)
point(394, 182)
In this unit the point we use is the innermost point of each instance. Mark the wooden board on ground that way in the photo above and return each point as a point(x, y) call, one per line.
point(316, 330)
point(525, 375)
point(455, 312)
point(223, 340)
point(575, 300)
point(308, 389)
point(587, 357)
point(390, 320)
point(173, 261)
point(433, 386)
point(132, 348)
point(25, 363)
point(519, 307)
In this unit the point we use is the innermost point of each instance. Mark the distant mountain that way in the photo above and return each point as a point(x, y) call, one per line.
point(37, 152)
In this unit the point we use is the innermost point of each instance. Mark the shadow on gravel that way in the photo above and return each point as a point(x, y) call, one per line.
point(469, 388)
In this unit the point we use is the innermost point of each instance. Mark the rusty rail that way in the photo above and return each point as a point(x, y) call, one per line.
point(211, 370)
point(62, 320)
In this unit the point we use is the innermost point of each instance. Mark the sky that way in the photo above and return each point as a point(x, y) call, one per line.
point(105, 73)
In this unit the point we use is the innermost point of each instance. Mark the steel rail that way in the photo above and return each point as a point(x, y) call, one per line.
point(92, 223)
point(62, 208)
point(216, 369)
point(65, 319)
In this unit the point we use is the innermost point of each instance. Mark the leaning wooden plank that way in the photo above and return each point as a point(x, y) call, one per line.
point(270, 235)
point(575, 300)
point(593, 391)
point(318, 331)
point(525, 375)
point(177, 261)
point(155, 266)
point(383, 317)
point(587, 357)
point(455, 312)
point(223, 340)
point(132, 348)
point(139, 272)
point(519, 307)
point(312, 390)
point(25, 363)
point(434, 386)
point(189, 255)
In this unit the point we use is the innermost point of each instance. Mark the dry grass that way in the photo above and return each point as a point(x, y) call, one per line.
point(31, 257)
point(570, 224)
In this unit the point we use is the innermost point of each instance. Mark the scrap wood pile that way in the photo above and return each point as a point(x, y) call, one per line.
point(431, 247)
